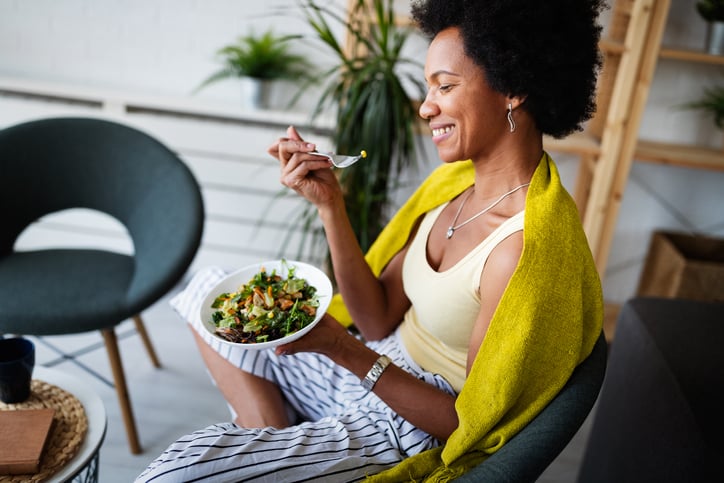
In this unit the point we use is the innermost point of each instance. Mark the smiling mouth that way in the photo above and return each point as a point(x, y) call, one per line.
point(441, 130)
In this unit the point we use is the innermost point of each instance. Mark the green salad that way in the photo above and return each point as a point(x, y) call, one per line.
point(266, 308)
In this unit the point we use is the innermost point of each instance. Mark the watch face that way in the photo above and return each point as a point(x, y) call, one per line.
point(375, 372)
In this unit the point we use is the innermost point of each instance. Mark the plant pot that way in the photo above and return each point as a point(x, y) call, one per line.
point(715, 38)
point(255, 92)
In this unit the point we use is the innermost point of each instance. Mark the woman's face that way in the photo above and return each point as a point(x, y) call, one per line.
point(466, 116)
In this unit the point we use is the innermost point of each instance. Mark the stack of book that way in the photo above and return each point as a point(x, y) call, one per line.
point(24, 433)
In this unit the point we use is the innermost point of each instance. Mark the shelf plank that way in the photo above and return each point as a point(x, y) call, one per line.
point(577, 143)
point(649, 151)
point(691, 56)
point(611, 46)
point(680, 155)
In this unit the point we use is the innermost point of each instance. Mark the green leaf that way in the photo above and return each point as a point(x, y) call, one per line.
point(711, 102)
point(711, 10)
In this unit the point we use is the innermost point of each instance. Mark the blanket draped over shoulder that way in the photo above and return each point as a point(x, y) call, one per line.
point(546, 323)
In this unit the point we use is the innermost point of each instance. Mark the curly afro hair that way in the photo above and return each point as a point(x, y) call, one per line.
point(544, 50)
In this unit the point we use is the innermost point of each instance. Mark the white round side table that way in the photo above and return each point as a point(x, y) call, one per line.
point(84, 465)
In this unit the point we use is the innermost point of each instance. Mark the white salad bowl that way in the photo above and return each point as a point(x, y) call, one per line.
point(235, 280)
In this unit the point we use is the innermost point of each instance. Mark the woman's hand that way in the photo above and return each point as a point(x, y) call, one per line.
point(422, 404)
point(327, 337)
point(305, 173)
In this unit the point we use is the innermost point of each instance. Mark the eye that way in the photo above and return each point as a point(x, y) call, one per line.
point(445, 88)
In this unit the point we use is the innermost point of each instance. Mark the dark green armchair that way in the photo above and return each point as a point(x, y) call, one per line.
point(50, 165)
point(527, 455)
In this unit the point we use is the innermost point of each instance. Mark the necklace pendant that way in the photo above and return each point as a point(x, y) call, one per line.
point(450, 232)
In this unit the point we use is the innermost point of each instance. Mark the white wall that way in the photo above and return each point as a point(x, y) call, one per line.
point(153, 46)
point(165, 48)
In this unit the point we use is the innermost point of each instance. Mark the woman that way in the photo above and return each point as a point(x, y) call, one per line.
point(477, 301)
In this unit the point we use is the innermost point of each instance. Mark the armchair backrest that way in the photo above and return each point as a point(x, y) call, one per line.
point(53, 164)
point(526, 456)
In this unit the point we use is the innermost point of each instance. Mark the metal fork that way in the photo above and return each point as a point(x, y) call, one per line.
point(341, 160)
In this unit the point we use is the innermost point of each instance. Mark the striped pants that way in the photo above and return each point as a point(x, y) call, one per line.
point(346, 433)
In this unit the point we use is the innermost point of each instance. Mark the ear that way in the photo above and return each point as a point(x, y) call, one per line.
point(514, 101)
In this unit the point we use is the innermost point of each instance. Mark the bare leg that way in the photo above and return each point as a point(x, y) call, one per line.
point(258, 403)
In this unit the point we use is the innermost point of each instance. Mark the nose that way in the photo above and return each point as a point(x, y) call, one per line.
point(428, 108)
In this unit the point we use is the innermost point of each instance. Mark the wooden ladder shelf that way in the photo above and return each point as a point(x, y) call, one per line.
point(607, 147)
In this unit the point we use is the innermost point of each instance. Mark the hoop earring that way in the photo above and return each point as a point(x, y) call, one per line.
point(510, 118)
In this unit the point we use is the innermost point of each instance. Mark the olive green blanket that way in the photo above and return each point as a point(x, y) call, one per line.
point(546, 323)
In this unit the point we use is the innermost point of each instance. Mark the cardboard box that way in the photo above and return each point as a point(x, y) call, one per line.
point(680, 265)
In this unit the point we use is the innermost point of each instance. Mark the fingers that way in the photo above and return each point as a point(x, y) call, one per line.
point(321, 339)
point(296, 166)
point(292, 135)
point(300, 171)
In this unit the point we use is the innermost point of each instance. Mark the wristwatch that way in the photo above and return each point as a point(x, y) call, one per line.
point(375, 372)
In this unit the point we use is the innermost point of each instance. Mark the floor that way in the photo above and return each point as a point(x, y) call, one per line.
point(177, 398)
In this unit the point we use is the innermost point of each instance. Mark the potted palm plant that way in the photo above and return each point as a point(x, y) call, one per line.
point(373, 91)
point(713, 12)
point(711, 102)
point(257, 60)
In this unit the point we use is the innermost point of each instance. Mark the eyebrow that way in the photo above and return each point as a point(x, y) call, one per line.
point(440, 72)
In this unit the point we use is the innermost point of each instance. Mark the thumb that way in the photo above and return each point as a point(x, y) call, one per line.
point(293, 134)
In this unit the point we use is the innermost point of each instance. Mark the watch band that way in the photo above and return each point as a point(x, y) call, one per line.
point(375, 372)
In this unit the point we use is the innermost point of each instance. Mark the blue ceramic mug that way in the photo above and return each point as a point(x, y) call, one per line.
point(17, 359)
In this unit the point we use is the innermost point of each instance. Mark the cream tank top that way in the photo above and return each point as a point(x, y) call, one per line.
point(436, 329)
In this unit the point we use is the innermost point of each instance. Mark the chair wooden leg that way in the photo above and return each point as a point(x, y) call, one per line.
point(141, 329)
point(114, 355)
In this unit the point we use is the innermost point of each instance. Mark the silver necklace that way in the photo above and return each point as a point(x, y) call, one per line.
point(452, 228)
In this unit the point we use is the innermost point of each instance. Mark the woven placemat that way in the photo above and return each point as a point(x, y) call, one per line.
point(70, 425)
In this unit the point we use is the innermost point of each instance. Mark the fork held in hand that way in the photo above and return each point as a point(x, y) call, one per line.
point(340, 160)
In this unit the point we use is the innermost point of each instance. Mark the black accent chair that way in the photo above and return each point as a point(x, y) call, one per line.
point(527, 455)
point(54, 164)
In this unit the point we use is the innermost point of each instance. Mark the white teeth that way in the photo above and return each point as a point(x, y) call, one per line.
point(442, 130)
